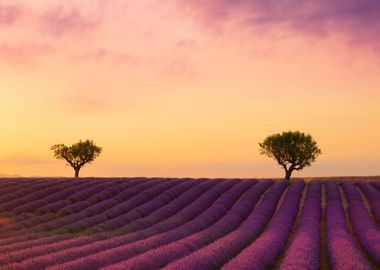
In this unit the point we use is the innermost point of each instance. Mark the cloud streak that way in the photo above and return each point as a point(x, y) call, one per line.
point(357, 20)
point(23, 53)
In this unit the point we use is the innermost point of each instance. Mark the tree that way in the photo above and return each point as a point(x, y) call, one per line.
point(293, 150)
point(78, 154)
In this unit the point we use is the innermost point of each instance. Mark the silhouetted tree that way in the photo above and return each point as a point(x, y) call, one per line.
point(293, 150)
point(78, 154)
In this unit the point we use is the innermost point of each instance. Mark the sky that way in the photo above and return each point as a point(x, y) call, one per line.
point(188, 88)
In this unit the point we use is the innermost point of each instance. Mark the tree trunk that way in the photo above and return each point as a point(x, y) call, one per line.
point(76, 172)
point(288, 173)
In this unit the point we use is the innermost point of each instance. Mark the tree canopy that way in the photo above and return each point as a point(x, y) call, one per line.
point(293, 150)
point(78, 154)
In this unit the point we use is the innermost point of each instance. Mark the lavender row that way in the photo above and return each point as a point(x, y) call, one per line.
point(65, 193)
point(136, 213)
point(83, 204)
point(41, 240)
point(14, 205)
point(304, 249)
point(219, 252)
point(373, 196)
point(61, 252)
point(264, 251)
point(21, 237)
point(177, 203)
point(14, 185)
point(202, 221)
point(161, 214)
point(21, 194)
point(34, 204)
point(40, 185)
point(125, 194)
point(366, 231)
point(20, 182)
point(58, 206)
point(9, 201)
point(168, 213)
point(163, 255)
point(49, 221)
point(46, 218)
point(376, 185)
point(342, 251)
point(84, 194)
point(37, 192)
point(4, 182)
point(140, 197)
point(186, 214)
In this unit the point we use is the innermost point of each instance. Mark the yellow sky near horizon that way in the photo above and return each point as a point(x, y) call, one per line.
point(166, 95)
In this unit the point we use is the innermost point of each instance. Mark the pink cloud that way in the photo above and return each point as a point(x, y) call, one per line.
point(180, 62)
point(23, 53)
point(59, 21)
point(9, 14)
point(359, 21)
point(185, 44)
point(177, 67)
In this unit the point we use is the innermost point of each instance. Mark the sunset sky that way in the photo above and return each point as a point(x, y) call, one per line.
point(189, 87)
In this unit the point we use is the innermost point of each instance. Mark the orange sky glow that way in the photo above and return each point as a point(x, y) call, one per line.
point(183, 89)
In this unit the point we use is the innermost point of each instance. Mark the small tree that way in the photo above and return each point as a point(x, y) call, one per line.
point(292, 150)
point(78, 154)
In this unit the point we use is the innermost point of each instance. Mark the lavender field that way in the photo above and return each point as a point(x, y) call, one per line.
point(154, 223)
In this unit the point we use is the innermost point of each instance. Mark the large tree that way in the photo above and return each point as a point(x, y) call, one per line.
point(293, 150)
point(78, 154)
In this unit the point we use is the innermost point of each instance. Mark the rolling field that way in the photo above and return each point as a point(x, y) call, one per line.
point(153, 223)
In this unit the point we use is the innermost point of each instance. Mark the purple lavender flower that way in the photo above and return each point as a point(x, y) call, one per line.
point(366, 231)
point(263, 252)
point(342, 252)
